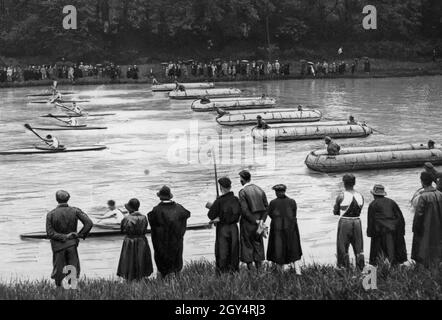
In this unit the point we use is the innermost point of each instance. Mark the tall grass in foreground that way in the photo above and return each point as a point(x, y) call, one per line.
point(198, 281)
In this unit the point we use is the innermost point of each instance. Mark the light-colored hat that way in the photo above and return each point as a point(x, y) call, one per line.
point(379, 190)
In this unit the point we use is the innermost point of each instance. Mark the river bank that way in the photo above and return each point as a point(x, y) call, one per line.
point(198, 281)
point(379, 69)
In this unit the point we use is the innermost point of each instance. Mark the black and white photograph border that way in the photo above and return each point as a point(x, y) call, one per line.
point(241, 150)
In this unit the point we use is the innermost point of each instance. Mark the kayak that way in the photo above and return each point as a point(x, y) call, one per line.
point(65, 128)
point(320, 130)
point(248, 117)
point(241, 103)
point(62, 101)
point(374, 158)
point(44, 150)
point(172, 86)
point(66, 93)
point(209, 93)
point(108, 231)
point(74, 115)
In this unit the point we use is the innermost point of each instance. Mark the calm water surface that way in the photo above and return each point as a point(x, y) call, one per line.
point(137, 163)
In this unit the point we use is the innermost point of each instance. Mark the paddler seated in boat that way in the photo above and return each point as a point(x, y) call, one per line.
point(76, 108)
point(333, 148)
point(155, 81)
point(351, 120)
point(300, 108)
point(179, 87)
point(72, 122)
point(53, 142)
point(56, 98)
point(431, 144)
point(261, 123)
point(113, 215)
point(205, 100)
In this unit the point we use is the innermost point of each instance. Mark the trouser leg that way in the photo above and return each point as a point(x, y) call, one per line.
point(343, 243)
point(358, 243)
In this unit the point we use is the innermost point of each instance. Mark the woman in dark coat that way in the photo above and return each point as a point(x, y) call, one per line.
point(168, 222)
point(135, 259)
point(284, 240)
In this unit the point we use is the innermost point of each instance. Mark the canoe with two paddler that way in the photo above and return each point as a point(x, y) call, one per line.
point(311, 131)
point(100, 232)
point(172, 86)
point(76, 115)
point(374, 158)
point(208, 93)
point(47, 150)
point(69, 128)
point(59, 101)
point(240, 103)
point(248, 117)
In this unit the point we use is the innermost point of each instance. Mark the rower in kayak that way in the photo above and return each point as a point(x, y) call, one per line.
point(56, 98)
point(261, 124)
point(53, 142)
point(114, 216)
point(72, 122)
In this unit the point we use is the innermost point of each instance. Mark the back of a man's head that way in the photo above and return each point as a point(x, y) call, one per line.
point(426, 179)
point(349, 181)
point(62, 197)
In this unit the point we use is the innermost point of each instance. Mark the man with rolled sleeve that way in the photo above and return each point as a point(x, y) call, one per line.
point(254, 207)
point(61, 229)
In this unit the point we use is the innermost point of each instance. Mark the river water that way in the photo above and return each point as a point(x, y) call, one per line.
point(150, 133)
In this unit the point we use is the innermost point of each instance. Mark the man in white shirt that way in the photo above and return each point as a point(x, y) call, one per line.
point(53, 142)
point(113, 216)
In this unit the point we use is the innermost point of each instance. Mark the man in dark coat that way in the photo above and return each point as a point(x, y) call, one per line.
point(427, 225)
point(254, 206)
point(168, 222)
point(61, 228)
point(225, 212)
point(386, 228)
point(284, 240)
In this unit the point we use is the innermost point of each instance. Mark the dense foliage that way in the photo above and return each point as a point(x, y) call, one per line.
point(128, 29)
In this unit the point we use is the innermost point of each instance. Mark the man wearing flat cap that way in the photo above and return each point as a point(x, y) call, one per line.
point(226, 210)
point(254, 207)
point(386, 228)
point(436, 176)
point(61, 228)
point(349, 206)
point(427, 225)
point(284, 241)
point(168, 222)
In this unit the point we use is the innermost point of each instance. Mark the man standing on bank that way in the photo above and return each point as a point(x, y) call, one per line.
point(168, 222)
point(61, 228)
point(284, 241)
point(226, 212)
point(427, 225)
point(254, 207)
point(386, 228)
point(349, 206)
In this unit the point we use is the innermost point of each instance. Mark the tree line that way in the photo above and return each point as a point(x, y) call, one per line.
point(125, 29)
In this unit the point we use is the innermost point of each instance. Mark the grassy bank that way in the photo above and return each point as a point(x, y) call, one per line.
point(199, 282)
point(380, 69)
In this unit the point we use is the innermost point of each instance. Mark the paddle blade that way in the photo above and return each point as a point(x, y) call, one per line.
point(28, 126)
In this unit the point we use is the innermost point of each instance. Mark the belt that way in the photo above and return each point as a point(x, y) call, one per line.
point(351, 218)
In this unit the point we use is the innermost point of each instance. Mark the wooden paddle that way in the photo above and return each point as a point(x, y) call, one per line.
point(52, 116)
point(28, 126)
point(69, 109)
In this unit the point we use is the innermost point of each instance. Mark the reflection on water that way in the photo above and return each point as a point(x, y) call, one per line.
point(136, 163)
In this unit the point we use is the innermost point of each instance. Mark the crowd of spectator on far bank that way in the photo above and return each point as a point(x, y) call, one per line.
point(64, 70)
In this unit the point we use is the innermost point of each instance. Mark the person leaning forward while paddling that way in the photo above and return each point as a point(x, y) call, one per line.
point(226, 211)
point(349, 206)
point(254, 207)
point(261, 124)
point(53, 142)
point(61, 229)
point(333, 148)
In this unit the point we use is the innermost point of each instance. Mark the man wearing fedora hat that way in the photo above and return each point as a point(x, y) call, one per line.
point(61, 228)
point(168, 222)
point(435, 175)
point(227, 211)
point(284, 241)
point(254, 206)
point(386, 228)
